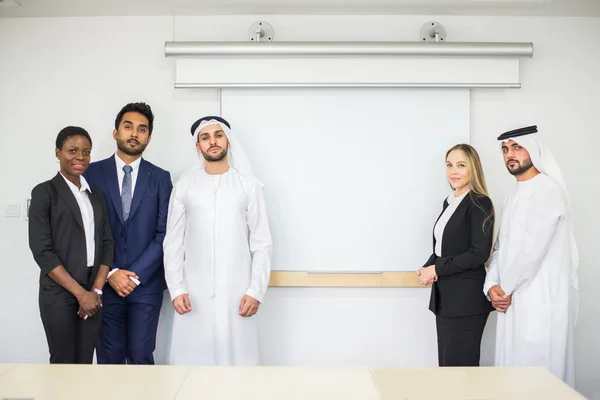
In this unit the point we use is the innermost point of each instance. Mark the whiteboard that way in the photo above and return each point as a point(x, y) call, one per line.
point(354, 178)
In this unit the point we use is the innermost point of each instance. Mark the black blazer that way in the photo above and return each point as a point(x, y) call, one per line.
point(57, 237)
point(466, 246)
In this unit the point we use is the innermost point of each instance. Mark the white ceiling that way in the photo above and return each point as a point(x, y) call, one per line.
point(56, 8)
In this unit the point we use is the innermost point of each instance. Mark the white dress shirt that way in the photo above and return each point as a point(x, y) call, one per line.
point(87, 215)
point(438, 231)
point(120, 176)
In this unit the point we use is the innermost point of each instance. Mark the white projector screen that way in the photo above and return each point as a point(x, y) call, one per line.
point(354, 178)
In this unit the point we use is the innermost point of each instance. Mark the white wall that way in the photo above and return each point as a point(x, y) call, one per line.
point(55, 72)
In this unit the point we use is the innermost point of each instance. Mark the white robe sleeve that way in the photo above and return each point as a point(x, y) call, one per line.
point(492, 277)
point(260, 244)
point(545, 210)
point(173, 243)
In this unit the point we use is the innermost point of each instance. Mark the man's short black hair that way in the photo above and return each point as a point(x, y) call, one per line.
point(141, 108)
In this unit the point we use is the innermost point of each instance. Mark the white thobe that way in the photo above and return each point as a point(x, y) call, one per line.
point(217, 248)
point(532, 261)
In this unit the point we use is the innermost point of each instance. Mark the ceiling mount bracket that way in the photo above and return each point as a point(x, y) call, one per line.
point(433, 31)
point(261, 31)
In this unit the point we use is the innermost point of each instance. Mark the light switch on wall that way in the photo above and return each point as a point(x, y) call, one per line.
point(12, 209)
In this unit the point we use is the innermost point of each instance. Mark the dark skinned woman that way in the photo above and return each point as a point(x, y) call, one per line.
point(71, 241)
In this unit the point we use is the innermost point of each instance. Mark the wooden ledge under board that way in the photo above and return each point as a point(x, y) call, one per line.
point(335, 279)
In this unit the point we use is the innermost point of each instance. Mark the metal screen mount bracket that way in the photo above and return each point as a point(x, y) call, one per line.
point(261, 31)
point(433, 31)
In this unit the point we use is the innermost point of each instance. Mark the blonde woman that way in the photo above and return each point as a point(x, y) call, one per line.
point(461, 246)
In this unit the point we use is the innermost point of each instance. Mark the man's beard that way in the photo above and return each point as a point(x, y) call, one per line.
point(215, 157)
point(123, 146)
point(521, 169)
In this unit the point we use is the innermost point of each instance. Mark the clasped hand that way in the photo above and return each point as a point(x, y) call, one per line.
point(427, 275)
point(89, 303)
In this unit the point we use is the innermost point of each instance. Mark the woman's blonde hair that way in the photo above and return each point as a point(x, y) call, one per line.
point(477, 181)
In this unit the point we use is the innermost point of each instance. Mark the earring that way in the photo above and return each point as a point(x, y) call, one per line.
point(58, 160)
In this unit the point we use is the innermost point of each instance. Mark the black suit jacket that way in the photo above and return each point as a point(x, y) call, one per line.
point(57, 237)
point(466, 246)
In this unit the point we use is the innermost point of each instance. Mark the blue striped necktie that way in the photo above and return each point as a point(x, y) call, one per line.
point(126, 191)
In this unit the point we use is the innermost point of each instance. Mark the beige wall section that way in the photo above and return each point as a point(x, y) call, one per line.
point(312, 279)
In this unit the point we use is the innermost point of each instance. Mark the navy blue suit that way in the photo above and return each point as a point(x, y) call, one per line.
point(129, 324)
